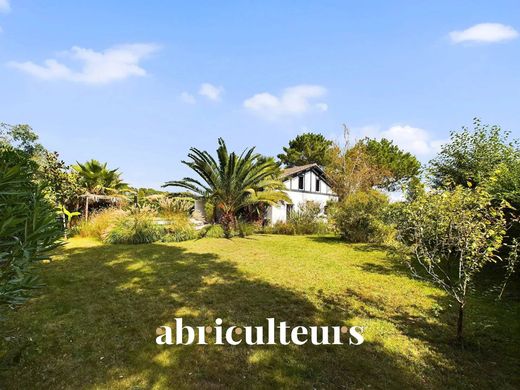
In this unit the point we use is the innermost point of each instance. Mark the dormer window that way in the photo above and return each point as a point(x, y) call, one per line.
point(300, 182)
point(317, 185)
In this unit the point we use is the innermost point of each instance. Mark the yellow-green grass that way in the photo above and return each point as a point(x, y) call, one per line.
point(93, 324)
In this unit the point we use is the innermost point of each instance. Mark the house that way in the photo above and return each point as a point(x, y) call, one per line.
point(303, 184)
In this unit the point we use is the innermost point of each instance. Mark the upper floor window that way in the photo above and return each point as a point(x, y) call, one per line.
point(300, 182)
point(318, 185)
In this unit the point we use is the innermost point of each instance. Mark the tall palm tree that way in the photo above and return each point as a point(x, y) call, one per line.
point(97, 179)
point(234, 182)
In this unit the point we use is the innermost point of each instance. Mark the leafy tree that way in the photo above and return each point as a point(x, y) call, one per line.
point(233, 182)
point(472, 156)
point(96, 178)
point(359, 217)
point(28, 226)
point(449, 236)
point(397, 165)
point(351, 169)
point(307, 148)
point(60, 183)
point(21, 137)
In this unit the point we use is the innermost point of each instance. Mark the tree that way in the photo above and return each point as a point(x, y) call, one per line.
point(20, 137)
point(307, 148)
point(28, 226)
point(359, 217)
point(233, 182)
point(96, 178)
point(397, 165)
point(351, 169)
point(449, 236)
point(472, 156)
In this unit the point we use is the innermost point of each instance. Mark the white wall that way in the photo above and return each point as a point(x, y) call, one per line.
point(279, 213)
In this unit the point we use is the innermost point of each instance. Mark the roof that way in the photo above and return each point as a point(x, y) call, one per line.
point(294, 171)
point(302, 168)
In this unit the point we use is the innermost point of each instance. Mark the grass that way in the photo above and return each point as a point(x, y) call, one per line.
point(93, 325)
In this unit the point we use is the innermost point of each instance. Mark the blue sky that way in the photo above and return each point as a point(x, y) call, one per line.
point(137, 83)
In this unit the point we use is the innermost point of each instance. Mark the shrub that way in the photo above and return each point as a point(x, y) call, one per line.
point(179, 229)
point(283, 228)
point(138, 227)
point(99, 224)
point(183, 234)
point(212, 231)
point(360, 217)
point(245, 229)
point(28, 226)
point(175, 206)
point(307, 220)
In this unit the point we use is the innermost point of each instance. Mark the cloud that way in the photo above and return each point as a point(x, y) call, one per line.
point(4, 6)
point(293, 101)
point(187, 98)
point(411, 139)
point(115, 63)
point(484, 32)
point(211, 91)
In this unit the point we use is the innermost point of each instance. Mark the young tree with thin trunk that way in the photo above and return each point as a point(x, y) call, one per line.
point(449, 236)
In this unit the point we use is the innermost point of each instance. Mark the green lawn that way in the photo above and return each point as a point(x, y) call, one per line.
point(93, 324)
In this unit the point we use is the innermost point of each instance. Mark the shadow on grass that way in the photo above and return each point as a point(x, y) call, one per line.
point(94, 327)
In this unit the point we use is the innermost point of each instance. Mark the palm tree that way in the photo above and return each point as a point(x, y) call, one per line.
point(234, 182)
point(96, 178)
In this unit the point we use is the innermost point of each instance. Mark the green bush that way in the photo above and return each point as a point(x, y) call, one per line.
point(360, 217)
point(137, 227)
point(29, 228)
point(305, 220)
point(245, 229)
point(99, 224)
point(283, 228)
point(179, 229)
point(179, 235)
point(212, 231)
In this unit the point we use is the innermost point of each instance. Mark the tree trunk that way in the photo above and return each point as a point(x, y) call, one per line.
point(228, 223)
point(460, 323)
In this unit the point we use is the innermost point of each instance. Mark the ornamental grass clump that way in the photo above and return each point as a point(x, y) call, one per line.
point(137, 227)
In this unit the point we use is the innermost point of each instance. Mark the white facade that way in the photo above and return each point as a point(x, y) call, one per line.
point(303, 185)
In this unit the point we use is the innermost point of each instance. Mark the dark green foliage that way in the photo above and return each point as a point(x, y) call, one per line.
point(472, 156)
point(307, 148)
point(212, 231)
point(180, 234)
point(398, 166)
point(61, 185)
point(28, 226)
point(20, 137)
point(360, 217)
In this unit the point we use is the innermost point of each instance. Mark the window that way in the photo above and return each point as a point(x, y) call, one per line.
point(317, 185)
point(300, 182)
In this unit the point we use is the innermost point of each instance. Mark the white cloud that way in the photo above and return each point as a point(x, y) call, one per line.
point(211, 91)
point(4, 6)
point(484, 32)
point(293, 101)
point(115, 63)
point(411, 139)
point(187, 98)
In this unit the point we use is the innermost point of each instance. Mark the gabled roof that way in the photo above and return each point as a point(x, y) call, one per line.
point(300, 169)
